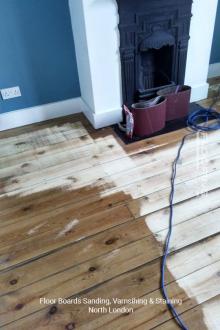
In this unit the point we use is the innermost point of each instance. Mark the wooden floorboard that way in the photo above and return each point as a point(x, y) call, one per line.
point(83, 215)
point(211, 308)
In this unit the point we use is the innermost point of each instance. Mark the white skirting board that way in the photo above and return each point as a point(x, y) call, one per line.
point(102, 119)
point(44, 112)
point(40, 113)
point(214, 70)
point(27, 116)
point(199, 92)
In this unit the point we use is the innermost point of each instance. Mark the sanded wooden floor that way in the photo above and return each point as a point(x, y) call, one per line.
point(84, 216)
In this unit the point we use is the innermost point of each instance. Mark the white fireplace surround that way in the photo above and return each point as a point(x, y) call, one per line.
point(96, 36)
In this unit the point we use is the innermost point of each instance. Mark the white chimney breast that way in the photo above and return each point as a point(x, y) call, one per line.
point(200, 44)
point(96, 35)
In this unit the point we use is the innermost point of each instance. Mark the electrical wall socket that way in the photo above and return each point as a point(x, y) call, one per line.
point(10, 93)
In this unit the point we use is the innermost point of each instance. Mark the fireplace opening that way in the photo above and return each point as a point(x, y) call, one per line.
point(155, 70)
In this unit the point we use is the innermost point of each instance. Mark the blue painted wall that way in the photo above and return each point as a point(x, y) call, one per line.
point(37, 52)
point(215, 54)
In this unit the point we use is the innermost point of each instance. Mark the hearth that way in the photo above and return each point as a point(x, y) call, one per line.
point(154, 37)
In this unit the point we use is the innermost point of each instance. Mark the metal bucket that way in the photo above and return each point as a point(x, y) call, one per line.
point(178, 101)
point(149, 119)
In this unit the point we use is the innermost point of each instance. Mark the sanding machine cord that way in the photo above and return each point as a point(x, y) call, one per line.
point(195, 126)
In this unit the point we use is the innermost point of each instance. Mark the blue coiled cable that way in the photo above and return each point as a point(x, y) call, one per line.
point(196, 123)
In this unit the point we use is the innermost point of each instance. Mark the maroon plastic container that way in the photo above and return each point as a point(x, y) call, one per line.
point(177, 101)
point(148, 120)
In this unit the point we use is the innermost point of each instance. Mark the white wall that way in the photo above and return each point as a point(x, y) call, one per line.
point(199, 51)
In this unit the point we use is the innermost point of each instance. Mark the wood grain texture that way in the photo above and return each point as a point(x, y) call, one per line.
point(210, 307)
point(83, 215)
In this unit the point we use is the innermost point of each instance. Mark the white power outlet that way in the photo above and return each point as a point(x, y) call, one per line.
point(10, 93)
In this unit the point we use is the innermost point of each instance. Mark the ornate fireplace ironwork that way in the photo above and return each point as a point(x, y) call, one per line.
point(154, 37)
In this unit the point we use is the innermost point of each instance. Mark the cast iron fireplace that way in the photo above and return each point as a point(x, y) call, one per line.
point(154, 37)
